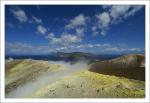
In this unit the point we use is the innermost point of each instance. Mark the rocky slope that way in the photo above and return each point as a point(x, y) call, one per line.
point(19, 72)
point(85, 84)
point(130, 66)
point(42, 79)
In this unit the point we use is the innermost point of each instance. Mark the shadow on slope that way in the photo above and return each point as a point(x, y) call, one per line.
point(131, 66)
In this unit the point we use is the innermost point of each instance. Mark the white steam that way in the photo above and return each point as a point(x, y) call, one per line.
point(47, 78)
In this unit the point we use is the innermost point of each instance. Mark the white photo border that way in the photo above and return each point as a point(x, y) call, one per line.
point(73, 2)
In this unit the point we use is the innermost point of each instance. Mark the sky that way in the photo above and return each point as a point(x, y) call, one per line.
point(99, 29)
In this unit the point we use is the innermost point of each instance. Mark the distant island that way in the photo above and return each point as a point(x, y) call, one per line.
point(72, 56)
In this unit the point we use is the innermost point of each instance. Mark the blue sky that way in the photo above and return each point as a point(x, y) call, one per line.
point(100, 29)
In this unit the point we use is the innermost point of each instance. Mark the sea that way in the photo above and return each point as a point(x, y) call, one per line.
point(58, 58)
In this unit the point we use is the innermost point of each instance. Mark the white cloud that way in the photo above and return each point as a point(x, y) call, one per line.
point(68, 38)
point(95, 31)
point(120, 12)
point(37, 20)
point(76, 22)
point(20, 15)
point(106, 6)
point(24, 48)
point(17, 47)
point(77, 25)
point(53, 40)
point(112, 16)
point(80, 32)
point(82, 46)
point(41, 29)
point(103, 19)
point(113, 49)
point(64, 39)
point(50, 35)
point(133, 10)
point(117, 11)
point(103, 32)
point(116, 49)
point(10, 25)
point(61, 48)
point(103, 23)
point(135, 49)
point(94, 28)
